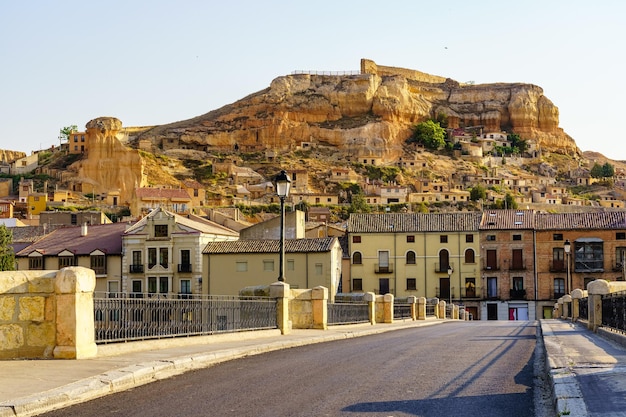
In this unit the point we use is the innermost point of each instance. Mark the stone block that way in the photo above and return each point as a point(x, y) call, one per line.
point(7, 308)
point(31, 308)
point(11, 337)
point(40, 334)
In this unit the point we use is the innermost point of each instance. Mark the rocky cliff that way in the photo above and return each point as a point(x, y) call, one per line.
point(371, 113)
point(10, 156)
point(109, 165)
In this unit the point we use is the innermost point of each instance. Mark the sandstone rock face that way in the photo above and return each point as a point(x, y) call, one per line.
point(10, 156)
point(109, 166)
point(369, 114)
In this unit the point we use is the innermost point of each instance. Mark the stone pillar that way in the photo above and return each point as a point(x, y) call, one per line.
point(462, 313)
point(442, 309)
point(436, 302)
point(567, 305)
point(596, 290)
point(412, 300)
point(577, 294)
point(319, 298)
point(388, 308)
point(559, 309)
point(370, 298)
point(280, 291)
point(75, 328)
point(421, 308)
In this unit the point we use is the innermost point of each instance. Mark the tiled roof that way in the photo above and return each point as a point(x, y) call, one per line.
point(507, 219)
point(586, 220)
point(104, 237)
point(270, 246)
point(190, 220)
point(161, 193)
point(414, 222)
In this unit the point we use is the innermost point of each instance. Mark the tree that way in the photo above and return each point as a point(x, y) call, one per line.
point(510, 201)
point(65, 132)
point(430, 134)
point(478, 192)
point(517, 142)
point(608, 171)
point(597, 171)
point(7, 257)
point(358, 204)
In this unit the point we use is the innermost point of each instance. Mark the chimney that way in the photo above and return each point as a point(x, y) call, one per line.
point(83, 229)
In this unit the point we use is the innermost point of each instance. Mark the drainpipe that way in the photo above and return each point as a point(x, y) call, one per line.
point(395, 265)
point(536, 279)
point(425, 268)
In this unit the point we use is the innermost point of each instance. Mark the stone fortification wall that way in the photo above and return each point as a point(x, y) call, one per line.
point(47, 314)
point(370, 67)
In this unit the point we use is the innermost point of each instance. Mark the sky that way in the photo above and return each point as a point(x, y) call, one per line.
point(155, 62)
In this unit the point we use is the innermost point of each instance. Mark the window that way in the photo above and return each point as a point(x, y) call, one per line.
point(518, 283)
point(160, 230)
point(517, 237)
point(268, 265)
point(443, 239)
point(411, 284)
point(291, 265)
point(557, 236)
point(357, 258)
point(65, 261)
point(491, 238)
point(163, 285)
point(410, 257)
point(444, 261)
point(620, 257)
point(319, 269)
point(152, 285)
point(35, 263)
point(152, 257)
point(492, 287)
point(356, 239)
point(517, 259)
point(185, 286)
point(470, 287)
point(241, 266)
point(383, 261)
point(589, 256)
point(492, 259)
point(620, 236)
point(558, 259)
point(559, 287)
point(185, 261)
point(357, 284)
point(410, 239)
point(98, 264)
point(73, 219)
point(469, 256)
point(469, 238)
point(163, 257)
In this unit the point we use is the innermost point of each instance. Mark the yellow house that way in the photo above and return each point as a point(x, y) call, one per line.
point(37, 202)
point(414, 254)
point(231, 266)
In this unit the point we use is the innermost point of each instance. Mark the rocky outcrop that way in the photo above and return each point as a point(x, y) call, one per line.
point(371, 113)
point(109, 166)
point(10, 156)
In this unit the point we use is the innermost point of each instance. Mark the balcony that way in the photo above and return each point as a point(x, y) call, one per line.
point(475, 292)
point(136, 269)
point(491, 266)
point(557, 266)
point(383, 269)
point(517, 294)
point(517, 267)
point(184, 267)
point(443, 267)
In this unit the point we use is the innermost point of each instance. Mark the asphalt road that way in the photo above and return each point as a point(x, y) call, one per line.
point(455, 369)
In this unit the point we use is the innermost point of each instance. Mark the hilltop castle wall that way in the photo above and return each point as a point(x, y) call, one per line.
point(370, 67)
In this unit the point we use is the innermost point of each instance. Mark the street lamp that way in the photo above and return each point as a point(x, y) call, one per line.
point(567, 246)
point(450, 271)
point(283, 182)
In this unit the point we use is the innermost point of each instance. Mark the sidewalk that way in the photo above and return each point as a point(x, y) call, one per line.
point(588, 372)
point(31, 387)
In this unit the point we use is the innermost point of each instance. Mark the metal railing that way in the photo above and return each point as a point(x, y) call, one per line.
point(614, 311)
point(348, 313)
point(430, 308)
point(124, 317)
point(315, 72)
point(401, 309)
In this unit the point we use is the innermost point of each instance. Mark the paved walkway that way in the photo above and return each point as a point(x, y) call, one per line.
point(588, 372)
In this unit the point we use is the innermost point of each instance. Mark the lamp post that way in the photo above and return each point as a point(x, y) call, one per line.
point(450, 271)
point(567, 247)
point(283, 182)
